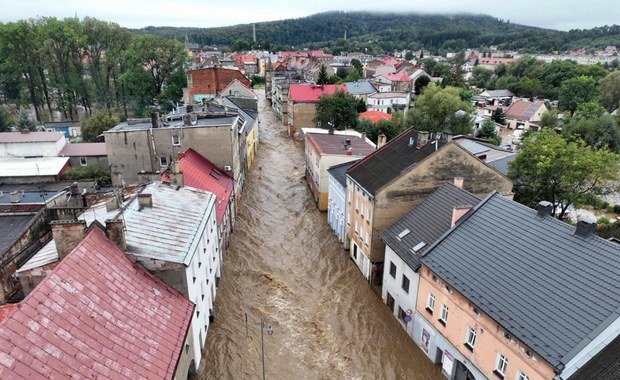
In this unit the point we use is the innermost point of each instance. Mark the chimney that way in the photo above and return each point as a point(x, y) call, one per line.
point(74, 188)
point(111, 204)
point(422, 138)
point(458, 182)
point(363, 137)
point(155, 119)
point(544, 209)
point(67, 235)
point(586, 226)
point(145, 200)
point(381, 140)
point(509, 196)
point(349, 151)
point(15, 197)
point(458, 212)
point(25, 131)
point(115, 231)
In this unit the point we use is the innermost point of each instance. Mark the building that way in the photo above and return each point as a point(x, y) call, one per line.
point(302, 100)
point(388, 102)
point(514, 293)
point(337, 200)
point(210, 82)
point(360, 90)
point(98, 315)
point(375, 116)
point(142, 148)
point(326, 150)
point(28, 144)
point(238, 89)
point(36, 170)
point(408, 238)
point(70, 129)
point(171, 231)
point(523, 114)
point(397, 177)
point(86, 154)
point(202, 174)
point(492, 155)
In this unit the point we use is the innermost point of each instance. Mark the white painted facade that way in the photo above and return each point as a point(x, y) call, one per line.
point(382, 101)
point(336, 208)
point(393, 287)
point(361, 260)
point(32, 149)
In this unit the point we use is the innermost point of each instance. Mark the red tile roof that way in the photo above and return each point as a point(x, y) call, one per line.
point(18, 137)
point(401, 77)
point(99, 314)
point(523, 110)
point(202, 174)
point(310, 93)
point(83, 149)
point(213, 79)
point(5, 310)
point(375, 116)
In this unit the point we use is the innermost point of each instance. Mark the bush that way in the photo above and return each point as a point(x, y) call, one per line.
point(604, 220)
point(617, 209)
point(89, 173)
point(610, 208)
point(604, 205)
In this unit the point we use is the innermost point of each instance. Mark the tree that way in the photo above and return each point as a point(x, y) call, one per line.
point(549, 119)
point(456, 76)
point(241, 44)
point(24, 122)
point(552, 169)
point(481, 77)
point(98, 123)
point(358, 66)
point(437, 110)
point(582, 89)
point(610, 91)
point(498, 116)
point(339, 109)
point(488, 131)
point(591, 125)
point(7, 122)
point(322, 78)
point(408, 55)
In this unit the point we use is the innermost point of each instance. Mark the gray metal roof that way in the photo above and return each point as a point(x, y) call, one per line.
point(339, 172)
point(360, 88)
point(550, 289)
point(11, 227)
point(426, 223)
point(501, 165)
point(169, 230)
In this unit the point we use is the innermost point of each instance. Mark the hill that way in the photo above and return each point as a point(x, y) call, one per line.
point(387, 32)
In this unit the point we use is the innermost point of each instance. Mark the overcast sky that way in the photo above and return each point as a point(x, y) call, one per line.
point(553, 14)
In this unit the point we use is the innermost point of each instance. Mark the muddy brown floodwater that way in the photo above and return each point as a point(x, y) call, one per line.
point(286, 266)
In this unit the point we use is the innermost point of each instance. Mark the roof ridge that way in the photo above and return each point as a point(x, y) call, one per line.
point(382, 148)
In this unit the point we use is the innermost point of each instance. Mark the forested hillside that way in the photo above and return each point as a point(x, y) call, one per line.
point(385, 32)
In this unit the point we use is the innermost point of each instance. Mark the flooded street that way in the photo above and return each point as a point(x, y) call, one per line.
point(286, 266)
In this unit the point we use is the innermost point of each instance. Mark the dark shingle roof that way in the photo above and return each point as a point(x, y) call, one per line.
point(339, 172)
point(388, 163)
point(550, 289)
point(604, 366)
point(427, 222)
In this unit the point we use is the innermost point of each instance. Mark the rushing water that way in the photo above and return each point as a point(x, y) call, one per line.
point(286, 266)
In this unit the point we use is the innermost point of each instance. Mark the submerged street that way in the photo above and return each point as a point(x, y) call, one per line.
point(286, 266)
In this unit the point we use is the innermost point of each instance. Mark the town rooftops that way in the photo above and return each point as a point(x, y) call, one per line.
point(31, 167)
point(495, 157)
point(83, 149)
point(97, 315)
point(339, 172)
point(144, 124)
point(388, 162)
point(426, 223)
point(168, 230)
point(202, 174)
point(523, 109)
point(549, 287)
point(389, 94)
point(310, 93)
point(30, 137)
point(375, 116)
point(397, 77)
point(360, 88)
point(326, 144)
point(497, 94)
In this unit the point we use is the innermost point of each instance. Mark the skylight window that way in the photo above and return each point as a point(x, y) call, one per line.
point(419, 246)
point(403, 233)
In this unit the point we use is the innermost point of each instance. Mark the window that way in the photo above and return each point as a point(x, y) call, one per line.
point(443, 318)
point(470, 340)
point(163, 161)
point(390, 302)
point(430, 302)
point(83, 161)
point(392, 270)
point(356, 232)
point(401, 314)
point(522, 376)
point(176, 140)
point(405, 284)
point(501, 364)
point(367, 240)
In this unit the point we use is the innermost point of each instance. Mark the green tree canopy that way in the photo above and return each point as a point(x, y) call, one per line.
point(441, 110)
point(610, 91)
point(488, 131)
point(339, 109)
point(323, 77)
point(498, 116)
point(7, 122)
point(574, 91)
point(98, 123)
point(553, 169)
point(24, 121)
